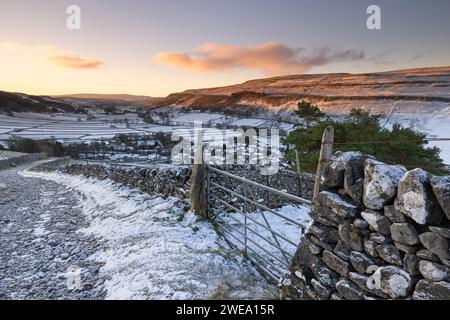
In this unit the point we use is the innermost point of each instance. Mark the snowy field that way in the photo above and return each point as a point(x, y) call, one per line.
point(74, 127)
point(435, 125)
point(153, 250)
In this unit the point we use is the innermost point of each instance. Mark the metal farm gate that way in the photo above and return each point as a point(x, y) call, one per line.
point(241, 210)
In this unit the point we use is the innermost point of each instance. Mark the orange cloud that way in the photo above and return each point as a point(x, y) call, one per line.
point(52, 54)
point(271, 58)
point(75, 62)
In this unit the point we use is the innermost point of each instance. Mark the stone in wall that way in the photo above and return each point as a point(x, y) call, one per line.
point(334, 171)
point(416, 199)
point(354, 178)
point(380, 183)
point(441, 189)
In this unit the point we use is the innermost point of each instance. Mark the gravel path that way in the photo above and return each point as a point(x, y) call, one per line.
point(41, 254)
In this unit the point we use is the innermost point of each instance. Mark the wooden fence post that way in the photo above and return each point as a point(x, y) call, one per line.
point(326, 150)
point(197, 194)
point(297, 161)
point(198, 202)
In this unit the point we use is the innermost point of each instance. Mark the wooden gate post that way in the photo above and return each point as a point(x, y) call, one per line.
point(198, 202)
point(297, 161)
point(326, 150)
point(197, 194)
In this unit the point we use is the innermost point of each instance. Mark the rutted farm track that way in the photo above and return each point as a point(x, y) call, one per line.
point(127, 244)
point(39, 242)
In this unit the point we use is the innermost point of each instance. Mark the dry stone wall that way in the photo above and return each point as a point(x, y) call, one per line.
point(169, 180)
point(26, 158)
point(379, 232)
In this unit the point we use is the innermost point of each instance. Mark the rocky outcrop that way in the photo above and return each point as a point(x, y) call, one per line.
point(392, 238)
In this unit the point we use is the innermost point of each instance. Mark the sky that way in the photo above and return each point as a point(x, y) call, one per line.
point(157, 47)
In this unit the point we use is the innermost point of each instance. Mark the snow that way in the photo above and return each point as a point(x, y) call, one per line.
point(153, 250)
point(190, 118)
point(249, 122)
point(434, 125)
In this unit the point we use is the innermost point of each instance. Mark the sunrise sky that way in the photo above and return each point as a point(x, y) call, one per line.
point(156, 47)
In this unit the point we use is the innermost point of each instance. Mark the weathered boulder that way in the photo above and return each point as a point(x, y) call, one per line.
point(335, 263)
point(390, 254)
point(334, 204)
point(380, 183)
point(323, 292)
point(445, 262)
point(3, 186)
point(354, 177)
point(436, 244)
point(404, 233)
point(313, 248)
point(360, 224)
point(429, 290)
point(379, 238)
point(342, 250)
point(370, 247)
point(349, 290)
point(333, 172)
point(316, 241)
point(427, 255)
point(361, 281)
point(406, 248)
point(351, 236)
point(411, 264)
point(434, 271)
point(324, 275)
point(361, 262)
point(392, 214)
point(441, 189)
point(302, 275)
point(391, 280)
point(324, 233)
point(304, 256)
point(377, 221)
point(416, 199)
point(323, 214)
point(443, 231)
point(336, 297)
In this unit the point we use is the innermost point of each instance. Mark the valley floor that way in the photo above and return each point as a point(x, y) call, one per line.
point(119, 243)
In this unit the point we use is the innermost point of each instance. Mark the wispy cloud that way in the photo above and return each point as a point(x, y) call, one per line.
point(271, 58)
point(75, 62)
point(52, 54)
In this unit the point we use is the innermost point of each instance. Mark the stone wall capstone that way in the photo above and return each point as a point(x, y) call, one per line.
point(379, 232)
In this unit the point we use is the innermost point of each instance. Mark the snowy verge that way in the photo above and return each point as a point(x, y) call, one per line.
point(153, 250)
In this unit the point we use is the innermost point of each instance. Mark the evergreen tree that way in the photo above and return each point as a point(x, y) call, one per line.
point(309, 112)
point(362, 132)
